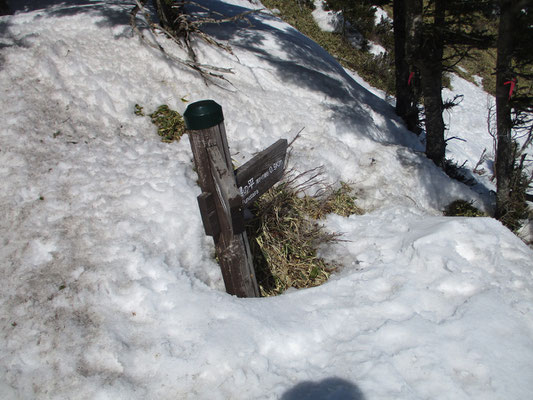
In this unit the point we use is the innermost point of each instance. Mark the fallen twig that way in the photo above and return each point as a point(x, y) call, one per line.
point(187, 27)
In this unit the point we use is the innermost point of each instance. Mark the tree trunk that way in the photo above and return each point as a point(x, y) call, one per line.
point(504, 151)
point(4, 8)
point(401, 65)
point(406, 91)
point(431, 77)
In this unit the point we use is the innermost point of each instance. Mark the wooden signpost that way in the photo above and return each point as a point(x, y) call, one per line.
point(226, 193)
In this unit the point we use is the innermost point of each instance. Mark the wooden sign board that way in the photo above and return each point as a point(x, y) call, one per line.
point(261, 173)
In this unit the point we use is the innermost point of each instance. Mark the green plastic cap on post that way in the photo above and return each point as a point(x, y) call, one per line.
point(203, 114)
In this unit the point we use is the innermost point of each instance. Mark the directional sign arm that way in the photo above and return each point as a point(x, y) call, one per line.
point(260, 173)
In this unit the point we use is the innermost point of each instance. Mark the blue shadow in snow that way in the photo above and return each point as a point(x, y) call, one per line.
point(302, 62)
point(114, 12)
point(328, 389)
point(307, 65)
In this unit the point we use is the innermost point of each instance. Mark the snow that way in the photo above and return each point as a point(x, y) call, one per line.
point(110, 287)
point(328, 21)
point(468, 121)
point(331, 21)
point(381, 15)
point(377, 49)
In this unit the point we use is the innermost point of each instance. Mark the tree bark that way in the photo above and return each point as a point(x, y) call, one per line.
point(406, 88)
point(431, 78)
point(504, 150)
point(4, 8)
point(431, 71)
point(401, 65)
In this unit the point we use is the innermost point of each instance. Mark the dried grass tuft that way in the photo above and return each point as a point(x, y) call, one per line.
point(285, 235)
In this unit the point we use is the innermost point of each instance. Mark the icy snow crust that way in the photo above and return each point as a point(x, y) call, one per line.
point(110, 290)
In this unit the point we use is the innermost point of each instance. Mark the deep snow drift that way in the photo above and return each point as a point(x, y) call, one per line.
point(110, 289)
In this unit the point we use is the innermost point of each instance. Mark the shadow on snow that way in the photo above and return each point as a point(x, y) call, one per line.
point(327, 389)
point(115, 12)
point(304, 62)
point(308, 65)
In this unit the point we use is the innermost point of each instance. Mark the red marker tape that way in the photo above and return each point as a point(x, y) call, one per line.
point(511, 89)
point(410, 78)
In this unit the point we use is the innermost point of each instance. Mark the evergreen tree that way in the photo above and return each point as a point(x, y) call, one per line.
point(359, 14)
point(424, 52)
point(432, 28)
point(406, 80)
point(513, 111)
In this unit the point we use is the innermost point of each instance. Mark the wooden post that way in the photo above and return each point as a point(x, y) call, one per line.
point(220, 202)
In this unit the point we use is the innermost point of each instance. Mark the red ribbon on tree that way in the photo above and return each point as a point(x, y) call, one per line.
point(410, 78)
point(511, 88)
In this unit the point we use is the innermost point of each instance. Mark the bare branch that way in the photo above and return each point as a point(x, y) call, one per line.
point(296, 137)
point(481, 160)
point(455, 138)
point(187, 27)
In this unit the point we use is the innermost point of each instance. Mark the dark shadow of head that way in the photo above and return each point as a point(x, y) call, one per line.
point(328, 389)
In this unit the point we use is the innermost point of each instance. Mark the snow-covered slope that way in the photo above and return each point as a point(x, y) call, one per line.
point(110, 290)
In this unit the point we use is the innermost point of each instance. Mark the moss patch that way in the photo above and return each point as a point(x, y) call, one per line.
point(170, 124)
point(462, 208)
